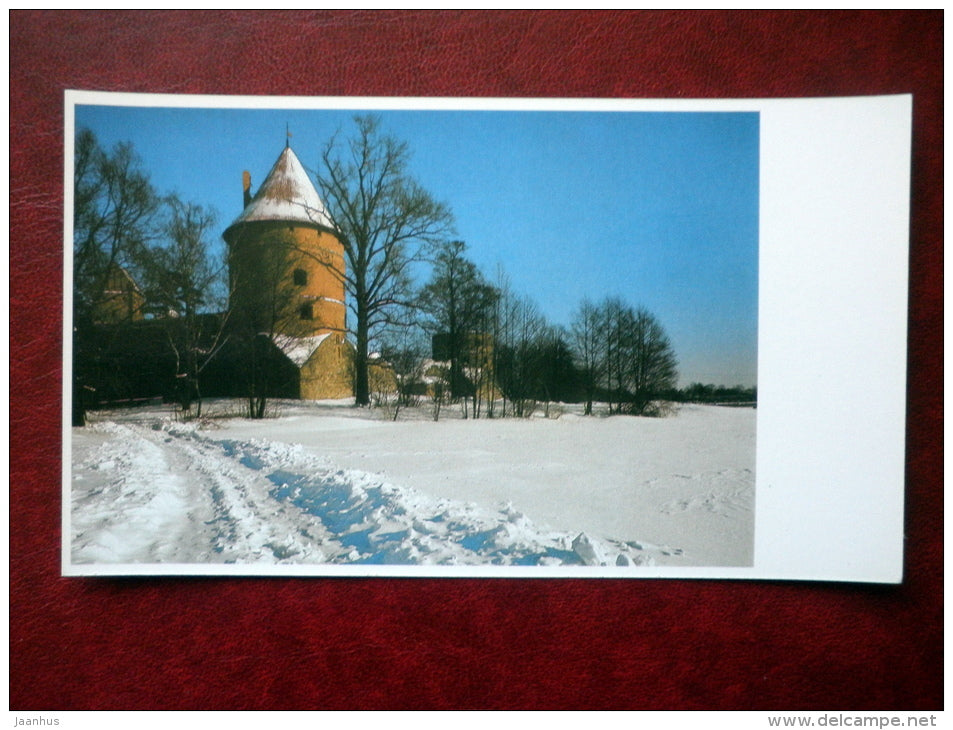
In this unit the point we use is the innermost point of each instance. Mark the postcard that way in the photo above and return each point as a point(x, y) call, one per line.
point(502, 338)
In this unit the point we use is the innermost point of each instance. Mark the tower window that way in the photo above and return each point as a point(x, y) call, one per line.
point(306, 311)
point(300, 277)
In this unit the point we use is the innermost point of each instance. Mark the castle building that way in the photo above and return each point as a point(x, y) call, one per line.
point(286, 271)
point(121, 299)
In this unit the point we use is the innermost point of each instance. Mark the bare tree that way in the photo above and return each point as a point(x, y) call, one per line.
point(482, 348)
point(654, 368)
point(114, 213)
point(618, 321)
point(501, 329)
point(553, 373)
point(438, 377)
point(587, 340)
point(515, 367)
point(114, 207)
point(185, 287)
point(385, 221)
point(404, 353)
point(456, 306)
point(625, 353)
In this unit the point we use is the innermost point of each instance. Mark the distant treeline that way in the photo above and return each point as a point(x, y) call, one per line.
point(720, 394)
point(557, 378)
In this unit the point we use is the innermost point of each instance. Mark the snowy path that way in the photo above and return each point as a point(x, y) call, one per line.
point(153, 492)
point(162, 494)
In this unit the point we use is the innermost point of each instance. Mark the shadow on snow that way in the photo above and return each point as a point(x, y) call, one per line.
point(371, 521)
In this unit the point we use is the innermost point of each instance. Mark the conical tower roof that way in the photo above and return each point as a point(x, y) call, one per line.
point(287, 194)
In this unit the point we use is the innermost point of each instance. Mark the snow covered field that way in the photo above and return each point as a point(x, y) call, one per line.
point(329, 483)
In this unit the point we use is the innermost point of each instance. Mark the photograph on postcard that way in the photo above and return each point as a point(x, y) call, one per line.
point(412, 337)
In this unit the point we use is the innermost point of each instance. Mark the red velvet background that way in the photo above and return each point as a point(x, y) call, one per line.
point(366, 643)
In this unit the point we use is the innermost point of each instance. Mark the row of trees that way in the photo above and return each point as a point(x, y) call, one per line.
point(502, 354)
point(503, 358)
point(122, 224)
point(624, 354)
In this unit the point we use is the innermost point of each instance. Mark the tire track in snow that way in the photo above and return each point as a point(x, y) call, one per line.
point(271, 502)
point(247, 524)
point(130, 506)
point(386, 524)
point(160, 494)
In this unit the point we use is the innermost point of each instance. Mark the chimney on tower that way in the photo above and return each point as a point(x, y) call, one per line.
point(246, 186)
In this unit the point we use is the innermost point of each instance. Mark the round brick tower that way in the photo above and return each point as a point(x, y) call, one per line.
point(286, 265)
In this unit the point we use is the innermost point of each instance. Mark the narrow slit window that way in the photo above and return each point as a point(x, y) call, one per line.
point(306, 311)
point(300, 277)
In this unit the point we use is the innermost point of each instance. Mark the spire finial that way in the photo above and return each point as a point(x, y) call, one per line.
point(287, 135)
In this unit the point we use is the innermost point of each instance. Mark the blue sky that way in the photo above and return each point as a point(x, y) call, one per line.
point(660, 209)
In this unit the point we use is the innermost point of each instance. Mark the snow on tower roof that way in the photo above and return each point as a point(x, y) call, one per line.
point(287, 194)
point(299, 349)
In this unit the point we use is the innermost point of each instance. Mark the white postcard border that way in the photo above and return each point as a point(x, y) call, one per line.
point(833, 273)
